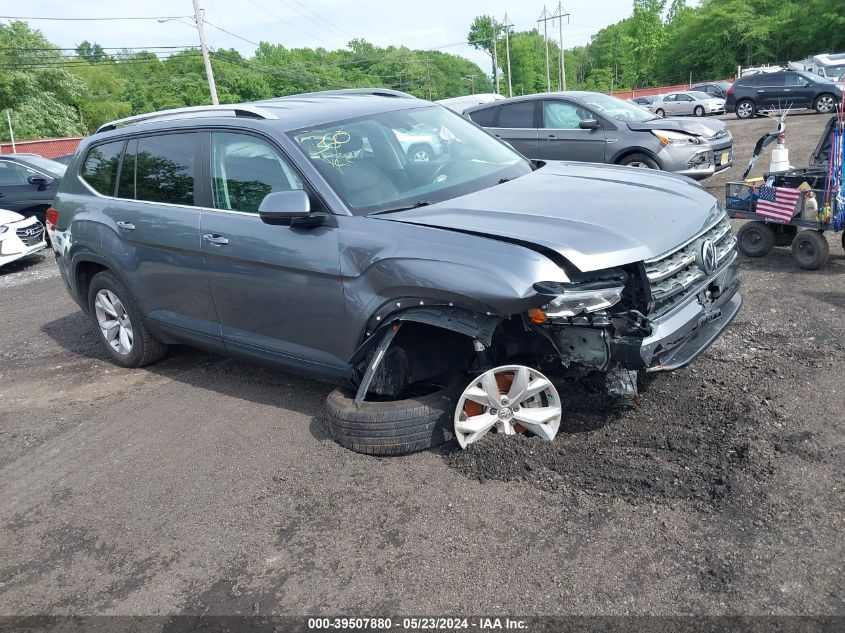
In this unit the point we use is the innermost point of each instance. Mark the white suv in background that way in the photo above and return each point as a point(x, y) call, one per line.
point(19, 236)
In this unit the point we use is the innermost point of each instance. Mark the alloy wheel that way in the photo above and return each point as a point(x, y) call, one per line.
point(510, 399)
point(114, 322)
point(825, 104)
point(421, 156)
point(744, 110)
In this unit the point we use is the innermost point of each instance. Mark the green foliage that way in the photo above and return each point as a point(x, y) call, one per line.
point(664, 42)
point(52, 95)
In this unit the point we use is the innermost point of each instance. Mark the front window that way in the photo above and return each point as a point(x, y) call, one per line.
point(834, 73)
point(394, 159)
point(698, 96)
point(616, 108)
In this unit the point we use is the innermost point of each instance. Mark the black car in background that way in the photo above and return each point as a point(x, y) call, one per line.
point(646, 100)
point(718, 89)
point(28, 183)
point(781, 90)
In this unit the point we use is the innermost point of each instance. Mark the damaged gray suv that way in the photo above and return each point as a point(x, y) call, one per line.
point(444, 297)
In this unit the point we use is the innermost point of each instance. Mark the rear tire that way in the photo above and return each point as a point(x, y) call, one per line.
point(810, 249)
point(699, 111)
point(639, 160)
point(145, 348)
point(391, 428)
point(745, 109)
point(755, 239)
point(825, 104)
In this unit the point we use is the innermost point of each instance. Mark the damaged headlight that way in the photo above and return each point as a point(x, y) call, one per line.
point(670, 137)
point(575, 299)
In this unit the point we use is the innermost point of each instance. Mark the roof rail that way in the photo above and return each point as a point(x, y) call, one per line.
point(248, 111)
point(376, 92)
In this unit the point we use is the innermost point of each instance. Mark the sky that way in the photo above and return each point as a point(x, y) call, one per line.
point(306, 23)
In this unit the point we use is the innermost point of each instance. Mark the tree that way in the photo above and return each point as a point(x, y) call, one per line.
point(91, 52)
point(483, 32)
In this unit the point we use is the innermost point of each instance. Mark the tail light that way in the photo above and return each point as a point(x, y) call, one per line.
point(730, 91)
point(51, 219)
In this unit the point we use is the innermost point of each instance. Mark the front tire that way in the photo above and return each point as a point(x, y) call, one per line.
point(745, 109)
point(660, 112)
point(399, 427)
point(825, 104)
point(118, 324)
point(755, 239)
point(699, 111)
point(639, 160)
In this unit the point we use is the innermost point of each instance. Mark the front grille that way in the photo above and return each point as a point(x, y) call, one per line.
point(29, 236)
point(678, 274)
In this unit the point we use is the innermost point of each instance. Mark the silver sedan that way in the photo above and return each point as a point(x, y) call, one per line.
point(687, 102)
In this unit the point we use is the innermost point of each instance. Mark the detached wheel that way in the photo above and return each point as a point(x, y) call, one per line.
point(825, 104)
point(639, 160)
point(784, 234)
point(699, 111)
point(755, 239)
point(745, 109)
point(810, 249)
point(391, 428)
point(117, 321)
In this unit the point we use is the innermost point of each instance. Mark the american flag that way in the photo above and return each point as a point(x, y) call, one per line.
point(777, 203)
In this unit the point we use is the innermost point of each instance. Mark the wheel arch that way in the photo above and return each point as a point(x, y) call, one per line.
point(84, 266)
point(629, 151)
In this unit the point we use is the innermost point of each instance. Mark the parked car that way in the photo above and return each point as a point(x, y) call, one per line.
point(597, 128)
point(781, 90)
point(420, 143)
point(19, 236)
point(717, 89)
point(437, 294)
point(459, 104)
point(28, 183)
point(688, 102)
point(645, 100)
point(64, 159)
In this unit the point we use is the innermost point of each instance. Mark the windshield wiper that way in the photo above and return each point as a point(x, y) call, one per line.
point(406, 207)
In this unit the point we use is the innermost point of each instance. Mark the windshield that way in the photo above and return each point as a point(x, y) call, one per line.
point(699, 95)
point(394, 159)
point(616, 108)
point(45, 164)
point(816, 79)
point(834, 72)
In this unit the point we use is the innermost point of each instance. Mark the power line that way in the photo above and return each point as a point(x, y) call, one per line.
point(105, 48)
point(104, 19)
point(288, 22)
point(310, 19)
point(220, 28)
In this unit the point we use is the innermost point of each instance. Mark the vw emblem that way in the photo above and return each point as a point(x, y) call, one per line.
point(708, 257)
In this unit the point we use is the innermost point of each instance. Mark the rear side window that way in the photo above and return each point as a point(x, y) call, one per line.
point(166, 168)
point(100, 167)
point(516, 115)
point(484, 117)
point(126, 180)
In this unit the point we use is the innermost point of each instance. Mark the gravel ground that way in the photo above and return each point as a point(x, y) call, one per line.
point(202, 485)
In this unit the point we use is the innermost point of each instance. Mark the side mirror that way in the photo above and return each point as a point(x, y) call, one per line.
point(806, 84)
point(588, 124)
point(291, 208)
point(39, 180)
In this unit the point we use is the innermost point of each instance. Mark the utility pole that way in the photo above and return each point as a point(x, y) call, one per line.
point(209, 73)
point(544, 18)
point(507, 26)
point(11, 132)
point(471, 80)
point(496, 55)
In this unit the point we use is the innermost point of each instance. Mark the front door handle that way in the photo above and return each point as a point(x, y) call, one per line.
point(126, 226)
point(217, 240)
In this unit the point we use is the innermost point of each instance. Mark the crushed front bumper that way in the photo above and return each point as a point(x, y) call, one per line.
point(681, 336)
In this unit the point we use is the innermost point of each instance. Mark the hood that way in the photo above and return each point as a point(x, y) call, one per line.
point(9, 216)
point(595, 216)
point(698, 126)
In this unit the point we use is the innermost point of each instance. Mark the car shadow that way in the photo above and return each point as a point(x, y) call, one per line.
point(22, 264)
point(204, 370)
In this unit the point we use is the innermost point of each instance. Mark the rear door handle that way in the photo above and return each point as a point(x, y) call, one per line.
point(217, 240)
point(126, 226)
